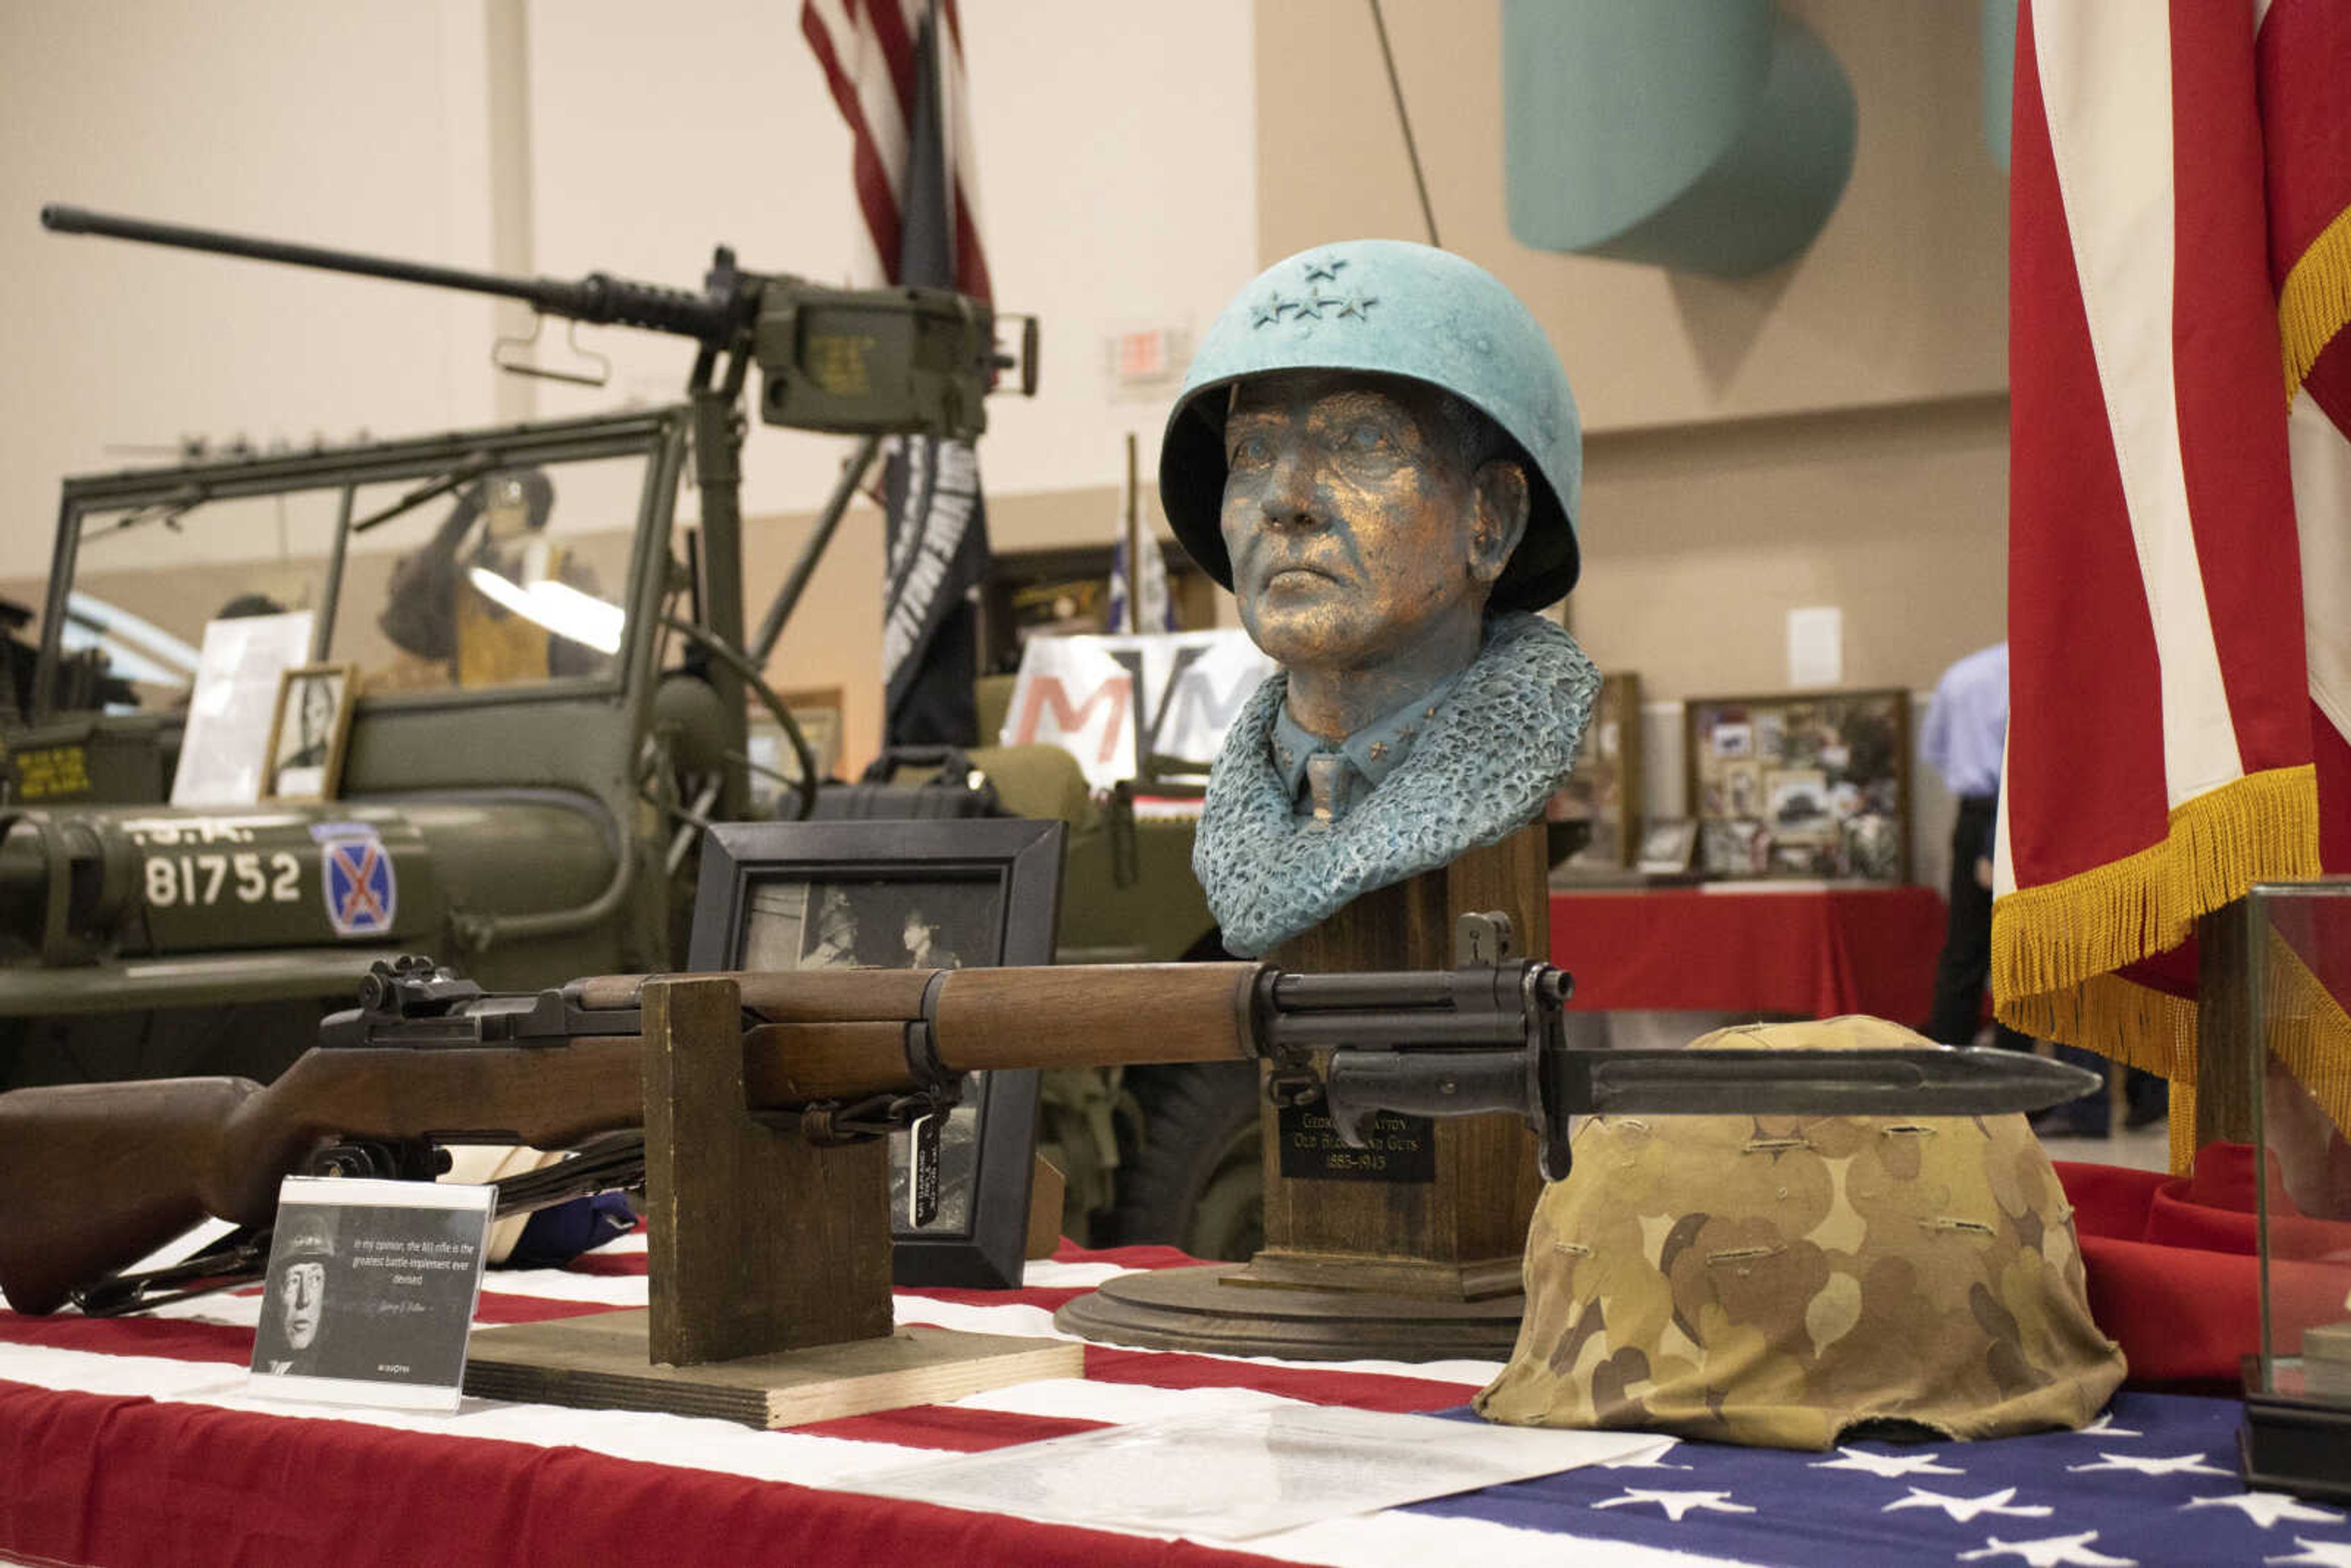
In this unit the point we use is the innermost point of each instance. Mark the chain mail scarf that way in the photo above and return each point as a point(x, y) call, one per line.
point(1480, 768)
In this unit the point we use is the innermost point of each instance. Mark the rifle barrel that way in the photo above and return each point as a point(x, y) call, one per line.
point(597, 297)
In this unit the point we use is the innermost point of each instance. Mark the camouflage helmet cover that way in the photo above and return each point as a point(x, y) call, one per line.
point(1387, 307)
point(1779, 1280)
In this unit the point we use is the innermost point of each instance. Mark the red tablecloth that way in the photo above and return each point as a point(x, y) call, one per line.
point(1815, 951)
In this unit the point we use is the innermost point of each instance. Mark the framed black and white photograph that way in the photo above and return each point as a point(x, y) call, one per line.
point(308, 731)
point(950, 894)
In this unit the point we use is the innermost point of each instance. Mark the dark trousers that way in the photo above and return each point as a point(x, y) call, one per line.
point(1966, 963)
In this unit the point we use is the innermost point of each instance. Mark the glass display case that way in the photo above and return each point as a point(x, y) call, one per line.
point(2298, 1433)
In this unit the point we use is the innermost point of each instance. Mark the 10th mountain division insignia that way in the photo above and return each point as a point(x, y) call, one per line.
point(356, 879)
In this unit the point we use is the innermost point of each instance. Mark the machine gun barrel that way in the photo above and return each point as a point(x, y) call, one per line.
point(716, 316)
point(852, 361)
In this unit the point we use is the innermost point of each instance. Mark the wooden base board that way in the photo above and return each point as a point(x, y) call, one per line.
point(1201, 1310)
point(600, 1363)
point(1278, 1270)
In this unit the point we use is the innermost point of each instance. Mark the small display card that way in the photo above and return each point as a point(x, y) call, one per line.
point(371, 1291)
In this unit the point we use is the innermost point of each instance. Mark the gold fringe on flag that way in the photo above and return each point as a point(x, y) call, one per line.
point(2315, 301)
point(2306, 1028)
point(2183, 1129)
point(2055, 948)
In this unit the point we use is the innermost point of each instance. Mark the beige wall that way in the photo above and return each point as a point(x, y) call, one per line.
point(1698, 539)
point(1901, 297)
point(1831, 433)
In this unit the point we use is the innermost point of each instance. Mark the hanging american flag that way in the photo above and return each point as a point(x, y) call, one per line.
point(895, 69)
point(2302, 55)
point(2160, 734)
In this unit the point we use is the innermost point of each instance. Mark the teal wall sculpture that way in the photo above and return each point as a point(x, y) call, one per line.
point(1711, 137)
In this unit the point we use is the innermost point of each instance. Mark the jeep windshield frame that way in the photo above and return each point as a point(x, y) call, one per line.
point(174, 497)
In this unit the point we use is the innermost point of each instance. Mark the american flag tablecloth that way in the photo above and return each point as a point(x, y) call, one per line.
point(130, 1442)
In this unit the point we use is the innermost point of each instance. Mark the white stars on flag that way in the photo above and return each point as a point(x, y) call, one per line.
point(2267, 1507)
point(1963, 1510)
point(2318, 1554)
point(2174, 1465)
point(1889, 1466)
point(2056, 1552)
point(1676, 1503)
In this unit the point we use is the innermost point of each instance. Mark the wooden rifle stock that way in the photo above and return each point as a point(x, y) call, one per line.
point(100, 1175)
point(97, 1175)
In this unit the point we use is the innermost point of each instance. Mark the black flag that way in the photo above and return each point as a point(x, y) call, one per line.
point(937, 522)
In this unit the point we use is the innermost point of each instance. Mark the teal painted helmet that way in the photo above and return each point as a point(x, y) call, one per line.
point(1389, 307)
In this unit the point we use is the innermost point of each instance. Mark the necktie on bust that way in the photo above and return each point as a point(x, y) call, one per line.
point(1326, 784)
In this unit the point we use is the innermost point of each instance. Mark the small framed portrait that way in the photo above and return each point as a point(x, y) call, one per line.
point(1665, 845)
point(1742, 791)
point(949, 893)
point(308, 731)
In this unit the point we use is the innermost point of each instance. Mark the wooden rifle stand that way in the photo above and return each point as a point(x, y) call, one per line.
point(768, 1260)
point(1414, 1255)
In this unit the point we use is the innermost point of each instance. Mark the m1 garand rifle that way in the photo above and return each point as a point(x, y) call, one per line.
point(100, 1175)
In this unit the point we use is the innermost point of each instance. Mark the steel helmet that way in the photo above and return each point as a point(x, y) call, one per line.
point(1782, 1281)
point(1389, 307)
point(306, 1231)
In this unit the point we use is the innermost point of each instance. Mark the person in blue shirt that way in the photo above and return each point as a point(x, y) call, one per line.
point(1962, 739)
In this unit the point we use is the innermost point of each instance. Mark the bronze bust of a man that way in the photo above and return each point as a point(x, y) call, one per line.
point(1377, 451)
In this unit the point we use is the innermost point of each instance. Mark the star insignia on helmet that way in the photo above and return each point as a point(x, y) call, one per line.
point(1268, 310)
point(1357, 306)
point(1324, 268)
point(1313, 304)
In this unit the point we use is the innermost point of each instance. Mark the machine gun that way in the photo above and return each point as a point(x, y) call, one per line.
point(856, 362)
point(98, 1176)
point(853, 361)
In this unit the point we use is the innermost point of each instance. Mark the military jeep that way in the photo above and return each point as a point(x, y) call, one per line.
point(516, 796)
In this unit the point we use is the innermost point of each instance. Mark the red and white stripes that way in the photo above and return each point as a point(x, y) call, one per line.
point(867, 48)
point(2160, 747)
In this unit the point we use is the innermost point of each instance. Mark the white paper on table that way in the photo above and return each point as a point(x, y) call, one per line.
point(1234, 1476)
point(232, 705)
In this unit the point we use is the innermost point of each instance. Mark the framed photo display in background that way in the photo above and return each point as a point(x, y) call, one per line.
point(1603, 793)
point(308, 731)
point(1812, 785)
point(968, 893)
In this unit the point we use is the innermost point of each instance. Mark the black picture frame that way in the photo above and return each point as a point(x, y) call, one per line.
point(988, 890)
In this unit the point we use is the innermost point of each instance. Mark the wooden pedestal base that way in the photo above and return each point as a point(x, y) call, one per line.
point(600, 1362)
point(1420, 1262)
point(1205, 1310)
